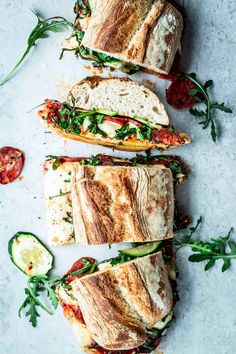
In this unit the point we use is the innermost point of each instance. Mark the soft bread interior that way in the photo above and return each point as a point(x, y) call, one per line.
point(58, 203)
point(124, 96)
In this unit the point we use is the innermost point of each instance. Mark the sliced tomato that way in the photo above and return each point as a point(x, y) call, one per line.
point(72, 310)
point(78, 265)
point(51, 104)
point(11, 164)
point(122, 120)
point(50, 111)
point(167, 137)
point(178, 93)
point(71, 159)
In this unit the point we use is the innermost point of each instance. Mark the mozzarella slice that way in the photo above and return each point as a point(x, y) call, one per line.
point(58, 203)
point(109, 128)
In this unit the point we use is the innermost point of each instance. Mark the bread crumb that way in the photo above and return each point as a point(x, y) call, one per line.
point(88, 67)
point(21, 178)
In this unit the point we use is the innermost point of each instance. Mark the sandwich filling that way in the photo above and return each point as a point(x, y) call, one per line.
point(72, 312)
point(98, 124)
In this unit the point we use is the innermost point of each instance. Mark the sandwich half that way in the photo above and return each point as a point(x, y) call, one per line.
point(127, 34)
point(117, 113)
point(104, 199)
point(123, 307)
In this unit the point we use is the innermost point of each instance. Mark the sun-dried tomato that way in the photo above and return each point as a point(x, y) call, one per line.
point(178, 93)
point(167, 137)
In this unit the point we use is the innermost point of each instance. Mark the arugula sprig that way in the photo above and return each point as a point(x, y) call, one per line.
point(200, 95)
point(39, 284)
point(222, 248)
point(52, 24)
point(36, 285)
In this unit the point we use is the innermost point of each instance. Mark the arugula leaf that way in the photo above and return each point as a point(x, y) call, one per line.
point(124, 131)
point(53, 24)
point(220, 248)
point(35, 285)
point(200, 95)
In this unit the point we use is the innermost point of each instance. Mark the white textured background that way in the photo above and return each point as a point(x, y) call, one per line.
point(206, 315)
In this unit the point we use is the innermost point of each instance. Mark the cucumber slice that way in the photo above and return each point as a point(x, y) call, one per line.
point(29, 254)
point(91, 4)
point(106, 113)
point(151, 125)
point(142, 250)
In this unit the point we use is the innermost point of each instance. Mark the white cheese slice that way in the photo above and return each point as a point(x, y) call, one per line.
point(104, 266)
point(162, 323)
point(58, 203)
point(80, 330)
point(109, 128)
point(82, 334)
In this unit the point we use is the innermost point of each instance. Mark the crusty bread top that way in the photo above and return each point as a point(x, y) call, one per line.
point(125, 29)
point(113, 204)
point(120, 95)
point(119, 303)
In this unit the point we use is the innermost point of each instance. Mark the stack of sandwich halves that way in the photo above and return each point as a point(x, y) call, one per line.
point(125, 303)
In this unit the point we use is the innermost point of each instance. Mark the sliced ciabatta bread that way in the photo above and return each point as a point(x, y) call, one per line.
point(116, 306)
point(146, 33)
point(121, 95)
point(114, 204)
point(113, 112)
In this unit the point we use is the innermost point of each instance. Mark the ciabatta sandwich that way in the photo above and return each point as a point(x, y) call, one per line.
point(117, 113)
point(110, 200)
point(127, 34)
point(123, 307)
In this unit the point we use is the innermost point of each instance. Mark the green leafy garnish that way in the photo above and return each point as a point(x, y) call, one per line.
point(82, 8)
point(223, 248)
point(35, 286)
point(56, 163)
point(53, 24)
point(61, 194)
point(200, 95)
point(39, 284)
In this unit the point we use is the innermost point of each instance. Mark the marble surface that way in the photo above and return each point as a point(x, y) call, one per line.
point(206, 316)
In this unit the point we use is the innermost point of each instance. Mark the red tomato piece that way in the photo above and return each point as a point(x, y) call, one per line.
point(122, 120)
point(11, 164)
point(80, 264)
point(167, 137)
point(178, 93)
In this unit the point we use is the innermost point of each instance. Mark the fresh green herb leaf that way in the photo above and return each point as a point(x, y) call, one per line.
point(56, 163)
point(53, 24)
point(223, 248)
point(222, 107)
point(90, 268)
point(201, 95)
point(68, 217)
point(124, 132)
point(58, 195)
point(36, 285)
point(82, 8)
